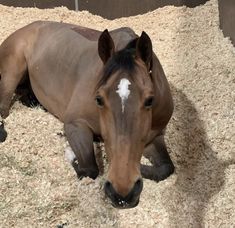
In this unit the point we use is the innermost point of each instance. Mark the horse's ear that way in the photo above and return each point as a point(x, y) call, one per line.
point(144, 49)
point(105, 46)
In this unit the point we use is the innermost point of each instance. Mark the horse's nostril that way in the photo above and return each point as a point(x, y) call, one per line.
point(108, 188)
point(138, 182)
point(107, 184)
point(138, 186)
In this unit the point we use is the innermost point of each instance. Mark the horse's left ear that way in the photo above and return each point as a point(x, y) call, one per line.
point(105, 46)
point(144, 49)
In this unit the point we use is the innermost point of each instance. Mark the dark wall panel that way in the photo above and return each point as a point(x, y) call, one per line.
point(112, 9)
point(227, 18)
point(123, 8)
point(106, 8)
point(42, 4)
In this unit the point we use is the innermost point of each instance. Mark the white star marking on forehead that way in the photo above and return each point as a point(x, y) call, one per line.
point(123, 91)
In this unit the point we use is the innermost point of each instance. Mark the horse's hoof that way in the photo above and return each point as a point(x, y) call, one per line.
point(85, 172)
point(93, 173)
point(81, 173)
point(3, 133)
point(164, 171)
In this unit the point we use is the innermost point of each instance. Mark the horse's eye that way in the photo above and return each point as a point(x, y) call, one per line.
point(99, 101)
point(148, 102)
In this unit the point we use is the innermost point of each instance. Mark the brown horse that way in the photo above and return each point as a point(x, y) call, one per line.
point(101, 85)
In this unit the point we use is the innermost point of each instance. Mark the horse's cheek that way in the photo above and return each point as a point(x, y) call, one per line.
point(146, 122)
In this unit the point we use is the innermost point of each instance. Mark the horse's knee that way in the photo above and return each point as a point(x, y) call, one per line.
point(4, 111)
point(5, 102)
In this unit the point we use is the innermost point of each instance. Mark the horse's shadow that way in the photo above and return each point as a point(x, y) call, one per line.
point(200, 175)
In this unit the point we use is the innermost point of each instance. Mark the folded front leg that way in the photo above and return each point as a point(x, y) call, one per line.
point(162, 166)
point(82, 157)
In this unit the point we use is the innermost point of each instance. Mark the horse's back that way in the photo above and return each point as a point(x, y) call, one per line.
point(59, 63)
point(48, 52)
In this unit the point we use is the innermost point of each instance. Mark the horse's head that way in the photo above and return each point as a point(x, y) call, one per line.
point(125, 97)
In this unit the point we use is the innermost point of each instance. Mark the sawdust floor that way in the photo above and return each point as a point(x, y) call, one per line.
point(38, 188)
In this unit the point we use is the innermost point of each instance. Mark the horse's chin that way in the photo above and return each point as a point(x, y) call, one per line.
point(126, 205)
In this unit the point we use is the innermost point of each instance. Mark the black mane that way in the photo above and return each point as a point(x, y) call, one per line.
point(123, 59)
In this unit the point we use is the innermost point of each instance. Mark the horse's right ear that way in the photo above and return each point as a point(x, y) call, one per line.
point(105, 46)
point(144, 49)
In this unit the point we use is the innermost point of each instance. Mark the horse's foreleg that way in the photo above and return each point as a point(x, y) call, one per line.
point(80, 138)
point(8, 83)
point(162, 166)
point(12, 72)
point(7, 89)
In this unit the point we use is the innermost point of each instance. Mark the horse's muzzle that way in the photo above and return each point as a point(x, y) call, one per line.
point(129, 201)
